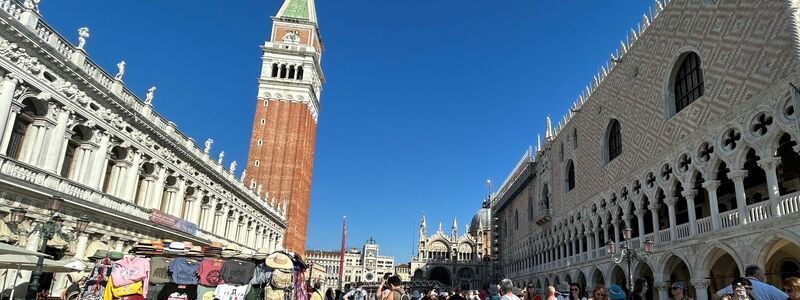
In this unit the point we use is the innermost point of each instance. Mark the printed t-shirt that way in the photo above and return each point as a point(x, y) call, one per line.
point(159, 269)
point(205, 293)
point(184, 271)
point(237, 272)
point(95, 286)
point(153, 290)
point(174, 291)
point(261, 275)
point(114, 292)
point(209, 271)
point(231, 291)
point(129, 270)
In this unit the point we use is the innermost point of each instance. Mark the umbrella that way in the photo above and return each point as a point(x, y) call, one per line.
point(11, 249)
point(28, 262)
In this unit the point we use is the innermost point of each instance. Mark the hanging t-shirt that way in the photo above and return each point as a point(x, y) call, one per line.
point(95, 285)
point(231, 291)
point(237, 272)
point(114, 292)
point(184, 271)
point(209, 271)
point(172, 291)
point(159, 269)
point(262, 274)
point(129, 270)
point(153, 290)
point(205, 293)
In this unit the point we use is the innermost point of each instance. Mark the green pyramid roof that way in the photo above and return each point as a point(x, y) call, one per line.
point(299, 9)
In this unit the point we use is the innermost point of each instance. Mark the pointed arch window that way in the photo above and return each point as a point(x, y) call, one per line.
point(569, 176)
point(614, 140)
point(689, 84)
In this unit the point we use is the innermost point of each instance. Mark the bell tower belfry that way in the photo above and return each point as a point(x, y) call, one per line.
point(287, 109)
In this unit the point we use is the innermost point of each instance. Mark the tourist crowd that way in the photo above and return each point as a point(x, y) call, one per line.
point(751, 287)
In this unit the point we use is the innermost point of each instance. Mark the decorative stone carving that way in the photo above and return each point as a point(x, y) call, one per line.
point(120, 70)
point(292, 37)
point(232, 168)
point(244, 173)
point(83, 34)
point(32, 5)
point(148, 98)
point(221, 157)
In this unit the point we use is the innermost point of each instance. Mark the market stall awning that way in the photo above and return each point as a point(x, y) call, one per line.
point(11, 249)
point(28, 262)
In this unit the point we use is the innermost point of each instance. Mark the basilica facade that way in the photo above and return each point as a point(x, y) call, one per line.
point(70, 130)
point(456, 262)
point(688, 137)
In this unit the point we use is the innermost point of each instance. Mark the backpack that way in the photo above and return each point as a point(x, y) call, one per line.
point(403, 296)
point(359, 295)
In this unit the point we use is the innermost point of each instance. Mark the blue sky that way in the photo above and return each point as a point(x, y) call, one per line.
point(424, 100)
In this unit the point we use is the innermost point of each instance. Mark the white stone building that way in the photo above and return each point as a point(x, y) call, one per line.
point(70, 128)
point(330, 261)
point(454, 261)
point(689, 137)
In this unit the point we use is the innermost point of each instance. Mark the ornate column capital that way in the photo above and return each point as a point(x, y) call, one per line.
point(738, 175)
point(663, 285)
point(701, 284)
point(711, 185)
point(653, 208)
point(671, 201)
point(640, 213)
point(689, 193)
point(769, 163)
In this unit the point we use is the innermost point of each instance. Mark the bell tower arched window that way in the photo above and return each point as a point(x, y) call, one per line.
point(688, 84)
point(614, 140)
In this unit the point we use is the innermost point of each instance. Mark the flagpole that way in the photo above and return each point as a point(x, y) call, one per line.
point(341, 253)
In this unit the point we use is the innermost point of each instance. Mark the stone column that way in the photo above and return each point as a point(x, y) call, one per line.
point(33, 134)
point(158, 188)
point(741, 199)
point(701, 288)
point(119, 245)
point(145, 189)
point(271, 242)
point(257, 240)
point(58, 141)
point(689, 194)
point(100, 161)
point(605, 232)
point(80, 246)
point(673, 226)
point(711, 187)
point(580, 247)
point(616, 231)
point(183, 208)
point(663, 290)
point(7, 88)
point(640, 223)
point(656, 228)
point(9, 126)
point(770, 166)
point(132, 176)
point(168, 201)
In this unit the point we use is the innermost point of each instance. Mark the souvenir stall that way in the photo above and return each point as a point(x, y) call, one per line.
point(171, 270)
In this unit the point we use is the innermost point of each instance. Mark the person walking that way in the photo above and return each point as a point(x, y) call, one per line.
point(329, 295)
point(639, 289)
point(791, 286)
point(493, 293)
point(761, 289)
point(551, 293)
point(531, 293)
point(599, 292)
point(507, 289)
point(615, 292)
point(742, 290)
point(679, 291)
point(576, 292)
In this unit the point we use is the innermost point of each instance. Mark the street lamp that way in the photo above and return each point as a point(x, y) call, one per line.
point(628, 254)
point(47, 231)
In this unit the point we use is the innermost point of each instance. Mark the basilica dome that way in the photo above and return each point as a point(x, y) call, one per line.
point(482, 218)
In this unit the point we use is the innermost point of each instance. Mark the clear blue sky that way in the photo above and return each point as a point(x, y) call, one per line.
point(425, 99)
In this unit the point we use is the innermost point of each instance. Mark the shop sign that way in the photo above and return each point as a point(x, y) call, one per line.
point(173, 222)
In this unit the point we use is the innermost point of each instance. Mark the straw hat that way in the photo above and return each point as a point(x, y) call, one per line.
point(196, 251)
point(262, 253)
point(279, 260)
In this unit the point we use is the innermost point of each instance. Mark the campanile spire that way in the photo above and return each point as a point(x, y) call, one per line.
point(287, 110)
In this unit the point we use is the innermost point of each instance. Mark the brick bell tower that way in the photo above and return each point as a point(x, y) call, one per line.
point(285, 124)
